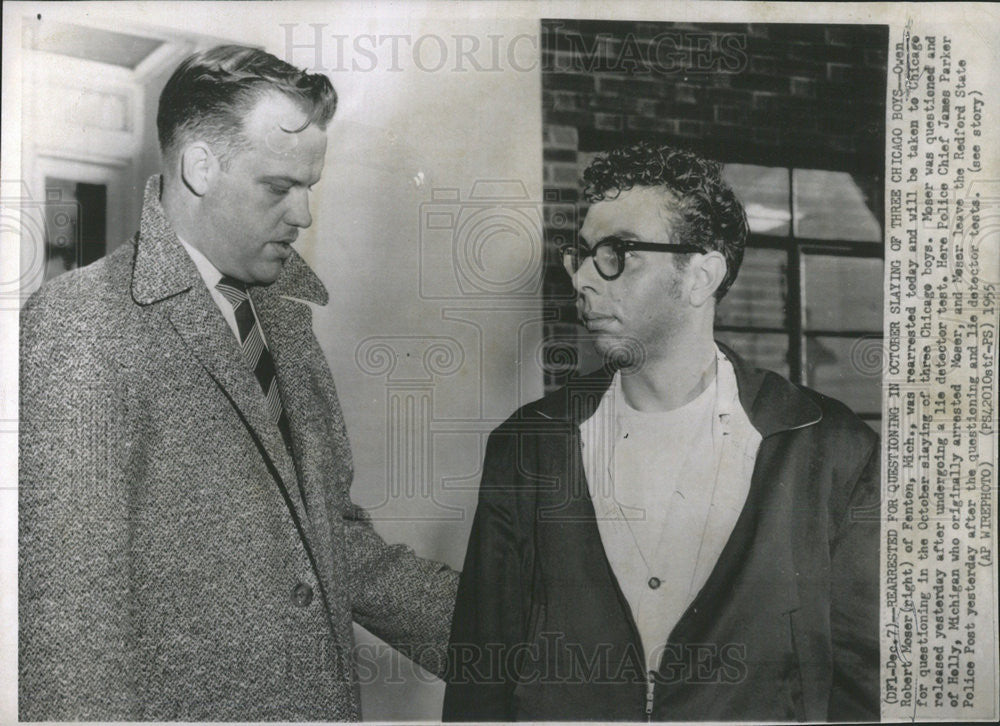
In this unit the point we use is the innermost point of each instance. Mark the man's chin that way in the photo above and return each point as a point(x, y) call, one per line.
point(266, 274)
point(619, 351)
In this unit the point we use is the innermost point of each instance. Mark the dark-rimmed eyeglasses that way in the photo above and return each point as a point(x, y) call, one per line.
point(609, 254)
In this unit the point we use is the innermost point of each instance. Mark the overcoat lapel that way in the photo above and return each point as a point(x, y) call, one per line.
point(287, 324)
point(212, 342)
point(288, 328)
point(164, 275)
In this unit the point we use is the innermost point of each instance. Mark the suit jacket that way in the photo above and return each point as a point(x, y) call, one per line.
point(785, 628)
point(169, 568)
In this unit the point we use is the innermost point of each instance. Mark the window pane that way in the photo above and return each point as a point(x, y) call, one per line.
point(831, 205)
point(842, 293)
point(848, 369)
point(758, 296)
point(764, 193)
point(764, 350)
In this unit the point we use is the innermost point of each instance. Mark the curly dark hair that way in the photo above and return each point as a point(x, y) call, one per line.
point(210, 92)
point(711, 215)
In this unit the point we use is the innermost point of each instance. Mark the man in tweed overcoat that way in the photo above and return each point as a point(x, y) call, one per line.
point(186, 553)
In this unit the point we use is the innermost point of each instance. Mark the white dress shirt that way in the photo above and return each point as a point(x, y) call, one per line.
point(211, 275)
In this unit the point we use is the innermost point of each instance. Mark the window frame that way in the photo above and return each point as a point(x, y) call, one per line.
point(796, 248)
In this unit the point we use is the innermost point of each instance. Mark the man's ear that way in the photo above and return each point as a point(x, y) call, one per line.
point(709, 270)
point(198, 167)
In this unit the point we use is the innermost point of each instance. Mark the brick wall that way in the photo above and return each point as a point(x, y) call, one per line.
point(795, 95)
point(808, 96)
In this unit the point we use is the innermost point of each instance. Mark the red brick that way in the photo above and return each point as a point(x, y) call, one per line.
point(561, 194)
point(633, 87)
point(558, 174)
point(550, 153)
point(568, 82)
point(840, 36)
point(696, 111)
point(640, 123)
point(763, 99)
point(562, 100)
point(647, 106)
point(690, 128)
point(579, 119)
point(608, 121)
point(753, 82)
point(803, 87)
point(686, 93)
point(729, 115)
point(764, 64)
point(730, 96)
point(561, 137)
point(838, 72)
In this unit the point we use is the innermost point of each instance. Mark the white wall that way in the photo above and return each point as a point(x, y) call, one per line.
point(401, 137)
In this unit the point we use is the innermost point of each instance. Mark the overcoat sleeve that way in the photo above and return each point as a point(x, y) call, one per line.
point(854, 599)
point(489, 620)
point(76, 640)
point(403, 599)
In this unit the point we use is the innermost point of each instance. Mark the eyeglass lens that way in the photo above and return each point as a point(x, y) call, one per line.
point(606, 257)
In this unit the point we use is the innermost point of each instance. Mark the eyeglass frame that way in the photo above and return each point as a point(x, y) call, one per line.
point(620, 247)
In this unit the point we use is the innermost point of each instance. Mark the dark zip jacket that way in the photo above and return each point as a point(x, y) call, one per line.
point(785, 628)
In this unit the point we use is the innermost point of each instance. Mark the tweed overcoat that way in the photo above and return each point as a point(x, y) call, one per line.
point(168, 567)
point(784, 629)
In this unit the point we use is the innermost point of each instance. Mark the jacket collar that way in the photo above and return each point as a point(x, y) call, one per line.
point(163, 269)
point(772, 403)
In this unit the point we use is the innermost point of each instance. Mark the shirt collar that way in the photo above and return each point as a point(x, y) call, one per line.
point(209, 272)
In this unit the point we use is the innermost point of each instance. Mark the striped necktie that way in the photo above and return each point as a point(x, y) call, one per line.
point(256, 353)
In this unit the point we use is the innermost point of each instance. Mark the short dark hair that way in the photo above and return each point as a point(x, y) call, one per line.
point(712, 217)
point(212, 90)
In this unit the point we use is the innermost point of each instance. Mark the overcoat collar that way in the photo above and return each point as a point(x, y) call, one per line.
point(772, 403)
point(163, 269)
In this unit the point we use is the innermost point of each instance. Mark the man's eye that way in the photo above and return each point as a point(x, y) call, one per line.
point(275, 189)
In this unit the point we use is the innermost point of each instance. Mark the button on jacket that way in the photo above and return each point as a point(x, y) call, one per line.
point(785, 627)
point(169, 568)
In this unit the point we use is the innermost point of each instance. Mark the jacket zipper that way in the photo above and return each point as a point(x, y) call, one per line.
point(649, 697)
point(623, 601)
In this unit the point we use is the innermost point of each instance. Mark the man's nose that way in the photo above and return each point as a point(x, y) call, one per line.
point(586, 276)
point(298, 211)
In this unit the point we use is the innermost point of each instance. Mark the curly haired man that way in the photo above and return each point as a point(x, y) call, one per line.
point(679, 535)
